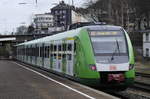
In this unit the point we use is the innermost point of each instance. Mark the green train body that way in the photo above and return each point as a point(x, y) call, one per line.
point(99, 55)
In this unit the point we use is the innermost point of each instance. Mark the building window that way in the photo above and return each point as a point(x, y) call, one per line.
point(64, 16)
point(60, 12)
point(147, 37)
point(147, 52)
point(64, 11)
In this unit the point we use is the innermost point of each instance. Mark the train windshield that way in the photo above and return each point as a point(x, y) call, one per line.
point(108, 42)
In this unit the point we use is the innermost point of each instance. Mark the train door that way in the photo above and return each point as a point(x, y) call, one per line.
point(41, 55)
point(38, 63)
point(70, 57)
point(46, 55)
point(59, 57)
point(64, 56)
point(55, 56)
point(36, 53)
point(32, 54)
point(30, 59)
point(51, 54)
point(25, 53)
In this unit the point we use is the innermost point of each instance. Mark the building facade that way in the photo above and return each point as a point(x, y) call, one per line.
point(65, 15)
point(62, 15)
point(146, 43)
point(42, 22)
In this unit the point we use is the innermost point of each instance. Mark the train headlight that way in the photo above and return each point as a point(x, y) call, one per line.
point(131, 66)
point(93, 67)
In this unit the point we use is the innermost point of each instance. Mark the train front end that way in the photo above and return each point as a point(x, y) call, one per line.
point(113, 55)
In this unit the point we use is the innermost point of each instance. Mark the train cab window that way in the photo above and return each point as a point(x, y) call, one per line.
point(69, 47)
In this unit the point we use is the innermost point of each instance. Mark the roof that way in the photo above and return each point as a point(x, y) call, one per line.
point(63, 5)
point(62, 35)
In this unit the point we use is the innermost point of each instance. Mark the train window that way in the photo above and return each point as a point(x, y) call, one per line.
point(55, 48)
point(47, 51)
point(40, 51)
point(59, 47)
point(35, 51)
point(54, 56)
point(51, 55)
point(64, 56)
point(59, 56)
point(47, 54)
point(69, 47)
point(69, 57)
point(51, 47)
point(43, 51)
point(32, 51)
point(64, 47)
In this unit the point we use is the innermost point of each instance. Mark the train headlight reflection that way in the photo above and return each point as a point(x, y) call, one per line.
point(93, 67)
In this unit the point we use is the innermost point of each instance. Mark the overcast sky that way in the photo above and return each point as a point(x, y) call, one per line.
point(13, 14)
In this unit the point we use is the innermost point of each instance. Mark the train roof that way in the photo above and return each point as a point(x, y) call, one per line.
point(62, 35)
point(71, 33)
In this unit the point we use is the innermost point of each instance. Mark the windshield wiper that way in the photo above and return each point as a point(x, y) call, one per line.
point(117, 48)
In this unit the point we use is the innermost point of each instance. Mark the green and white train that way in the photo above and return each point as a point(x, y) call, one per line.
point(96, 55)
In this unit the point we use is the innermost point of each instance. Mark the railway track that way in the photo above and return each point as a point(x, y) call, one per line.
point(139, 90)
point(142, 86)
point(143, 74)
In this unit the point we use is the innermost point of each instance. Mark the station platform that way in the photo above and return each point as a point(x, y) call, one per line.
point(20, 82)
